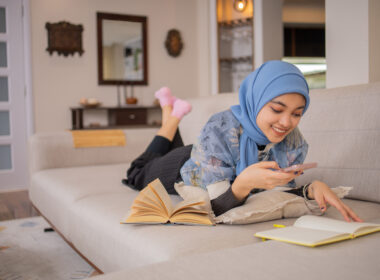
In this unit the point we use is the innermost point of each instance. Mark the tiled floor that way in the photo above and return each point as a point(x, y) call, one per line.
point(16, 205)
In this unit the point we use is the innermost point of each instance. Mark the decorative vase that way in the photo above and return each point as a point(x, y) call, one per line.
point(131, 100)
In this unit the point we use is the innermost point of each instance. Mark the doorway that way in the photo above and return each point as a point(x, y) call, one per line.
point(235, 43)
point(13, 105)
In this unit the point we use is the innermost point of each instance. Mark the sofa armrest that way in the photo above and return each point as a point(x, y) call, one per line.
point(56, 150)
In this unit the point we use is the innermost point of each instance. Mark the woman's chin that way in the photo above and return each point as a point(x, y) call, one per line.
point(276, 138)
point(275, 141)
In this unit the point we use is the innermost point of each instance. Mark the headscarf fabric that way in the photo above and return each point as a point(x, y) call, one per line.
point(272, 79)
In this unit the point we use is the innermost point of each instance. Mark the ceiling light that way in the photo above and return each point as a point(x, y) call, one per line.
point(240, 5)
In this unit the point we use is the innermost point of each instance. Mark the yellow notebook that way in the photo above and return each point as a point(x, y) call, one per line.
point(154, 206)
point(316, 230)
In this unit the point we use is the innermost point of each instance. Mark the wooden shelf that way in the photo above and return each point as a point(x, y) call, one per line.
point(113, 108)
point(119, 127)
point(236, 59)
point(131, 116)
point(236, 22)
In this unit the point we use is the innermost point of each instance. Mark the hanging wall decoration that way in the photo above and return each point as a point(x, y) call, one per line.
point(173, 43)
point(64, 38)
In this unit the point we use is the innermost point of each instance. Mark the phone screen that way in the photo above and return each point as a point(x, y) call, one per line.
point(298, 167)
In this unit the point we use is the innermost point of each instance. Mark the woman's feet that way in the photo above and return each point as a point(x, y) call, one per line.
point(173, 110)
point(178, 107)
point(165, 97)
point(181, 108)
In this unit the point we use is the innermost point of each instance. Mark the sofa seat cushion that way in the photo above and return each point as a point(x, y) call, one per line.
point(367, 211)
point(97, 233)
point(271, 260)
point(53, 191)
point(96, 220)
point(86, 204)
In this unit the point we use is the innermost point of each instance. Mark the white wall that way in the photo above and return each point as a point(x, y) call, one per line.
point(300, 11)
point(268, 31)
point(59, 82)
point(346, 42)
point(352, 42)
point(204, 51)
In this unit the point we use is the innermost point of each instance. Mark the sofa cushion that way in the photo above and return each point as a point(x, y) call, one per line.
point(92, 202)
point(343, 132)
point(203, 109)
point(126, 245)
point(53, 191)
point(264, 206)
point(271, 260)
point(49, 150)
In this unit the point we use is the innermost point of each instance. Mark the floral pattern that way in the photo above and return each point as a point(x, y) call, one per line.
point(215, 155)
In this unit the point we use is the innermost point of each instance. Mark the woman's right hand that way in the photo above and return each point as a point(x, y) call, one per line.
point(260, 175)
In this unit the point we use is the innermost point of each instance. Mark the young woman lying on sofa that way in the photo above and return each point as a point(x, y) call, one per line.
point(245, 145)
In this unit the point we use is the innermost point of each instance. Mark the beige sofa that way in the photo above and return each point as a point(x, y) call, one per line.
point(79, 192)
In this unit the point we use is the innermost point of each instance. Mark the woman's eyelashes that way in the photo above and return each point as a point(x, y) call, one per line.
point(295, 114)
point(276, 111)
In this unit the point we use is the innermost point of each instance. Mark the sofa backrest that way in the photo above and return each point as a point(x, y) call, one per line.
point(203, 109)
point(49, 150)
point(342, 127)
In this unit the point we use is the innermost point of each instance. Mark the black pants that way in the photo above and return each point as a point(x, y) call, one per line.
point(162, 159)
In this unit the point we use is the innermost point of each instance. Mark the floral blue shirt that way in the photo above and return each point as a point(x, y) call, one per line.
point(215, 155)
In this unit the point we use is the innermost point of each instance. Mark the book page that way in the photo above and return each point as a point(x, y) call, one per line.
point(147, 204)
point(144, 209)
point(302, 236)
point(323, 223)
point(190, 210)
point(160, 191)
point(367, 229)
point(185, 204)
point(147, 219)
point(191, 218)
point(151, 198)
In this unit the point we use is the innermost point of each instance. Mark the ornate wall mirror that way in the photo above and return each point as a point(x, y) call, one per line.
point(122, 49)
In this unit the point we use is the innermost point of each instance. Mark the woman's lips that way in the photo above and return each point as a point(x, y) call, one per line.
point(279, 131)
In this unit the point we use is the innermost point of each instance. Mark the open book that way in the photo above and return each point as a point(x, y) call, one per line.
point(154, 206)
point(315, 230)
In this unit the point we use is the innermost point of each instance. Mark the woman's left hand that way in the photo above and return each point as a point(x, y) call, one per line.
point(323, 194)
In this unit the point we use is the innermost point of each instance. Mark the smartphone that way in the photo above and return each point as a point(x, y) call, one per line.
point(298, 167)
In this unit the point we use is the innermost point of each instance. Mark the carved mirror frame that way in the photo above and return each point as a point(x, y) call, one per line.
point(100, 16)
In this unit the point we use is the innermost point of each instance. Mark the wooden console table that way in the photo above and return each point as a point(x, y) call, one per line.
point(117, 117)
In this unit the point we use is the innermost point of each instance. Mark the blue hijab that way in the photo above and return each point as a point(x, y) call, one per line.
point(272, 79)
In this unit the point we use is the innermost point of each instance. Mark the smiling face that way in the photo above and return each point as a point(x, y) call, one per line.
point(280, 116)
